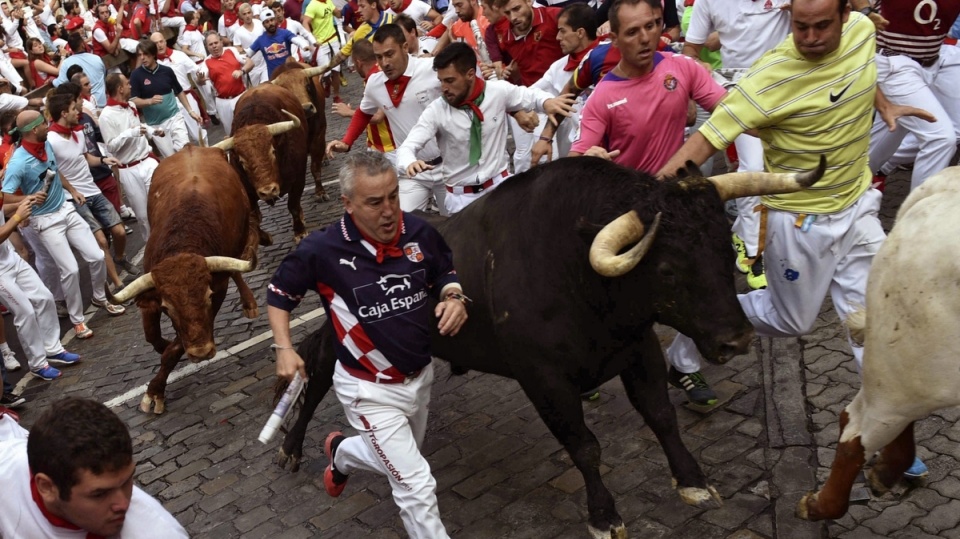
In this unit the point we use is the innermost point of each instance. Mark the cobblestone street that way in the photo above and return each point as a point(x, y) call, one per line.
point(500, 472)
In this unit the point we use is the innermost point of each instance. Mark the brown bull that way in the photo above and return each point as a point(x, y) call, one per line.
point(265, 114)
point(203, 232)
point(304, 82)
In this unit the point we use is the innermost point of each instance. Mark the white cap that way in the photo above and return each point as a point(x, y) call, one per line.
point(266, 14)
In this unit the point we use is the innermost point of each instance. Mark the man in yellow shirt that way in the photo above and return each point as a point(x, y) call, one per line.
point(319, 19)
point(373, 18)
point(812, 95)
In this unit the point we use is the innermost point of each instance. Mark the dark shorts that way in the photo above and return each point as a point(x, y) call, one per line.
point(98, 212)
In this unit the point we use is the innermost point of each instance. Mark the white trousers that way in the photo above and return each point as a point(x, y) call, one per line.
point(34, 312)
point(61, 230)
point(9, 72)
point(174, 22)
point(935, 89)
point(833, 256)
point(129, 45)
point(174, 139)
point(46, 266)
point(416, 192)
point(194, 130)
point(747, 225)
point(391, 420)
point(458, 201)
point(225, 109)
point(523, 144)
point(209, 98)
point(136, 186)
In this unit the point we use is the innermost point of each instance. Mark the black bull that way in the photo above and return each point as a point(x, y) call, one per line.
point(542, 316)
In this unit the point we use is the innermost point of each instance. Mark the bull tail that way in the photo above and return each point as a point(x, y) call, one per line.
point(856, 323)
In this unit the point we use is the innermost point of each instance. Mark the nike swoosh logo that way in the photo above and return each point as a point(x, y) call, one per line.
point(836, 97)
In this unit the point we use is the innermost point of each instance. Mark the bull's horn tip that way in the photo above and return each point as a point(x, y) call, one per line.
point(809, 178)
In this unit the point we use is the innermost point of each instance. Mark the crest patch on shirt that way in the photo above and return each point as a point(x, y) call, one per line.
point(537, 35)
point(413, 252)
point(670, 83)
point(146, 82)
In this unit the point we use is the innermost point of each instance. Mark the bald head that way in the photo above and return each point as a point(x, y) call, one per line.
point(32, 126)
point(26, 117)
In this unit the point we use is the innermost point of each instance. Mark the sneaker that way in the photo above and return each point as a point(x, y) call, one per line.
point(916, 470)
point(127, 230)
point(333, 481)
point(879, 181)
point(214, 119)
point(10, 361)
point(696, 386)
point(126, 213)
point(64, 358)
point(12, 400)
point(82, 331)
point(127, 265)
point(112, 310)
point(46, 373)
point(757, 278)
point(62, 311)
point(741, 248)
point(343, 80)
point(591, 395)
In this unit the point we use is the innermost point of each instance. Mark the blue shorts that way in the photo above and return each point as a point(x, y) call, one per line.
point(98, 212)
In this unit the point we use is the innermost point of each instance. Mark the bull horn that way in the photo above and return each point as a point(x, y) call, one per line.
point(623, 230)
point(142, 284)
point(225, 263)
point(283, 127)
point(225, 144)
point(744, 184)
point(314, 71)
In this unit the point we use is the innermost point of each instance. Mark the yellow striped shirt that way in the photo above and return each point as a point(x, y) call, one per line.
point(805, 108)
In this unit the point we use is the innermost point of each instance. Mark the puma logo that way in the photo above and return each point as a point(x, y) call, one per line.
point(345, 262)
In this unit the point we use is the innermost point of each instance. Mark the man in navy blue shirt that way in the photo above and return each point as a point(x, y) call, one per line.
point(374, 271)
point(154, 89)
point(275, 44)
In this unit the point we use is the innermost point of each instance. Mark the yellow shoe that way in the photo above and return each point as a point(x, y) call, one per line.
point(343, 80)
point(757, 278)
point(741, 248)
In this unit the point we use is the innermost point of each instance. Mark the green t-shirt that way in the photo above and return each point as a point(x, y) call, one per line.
point(706, 55)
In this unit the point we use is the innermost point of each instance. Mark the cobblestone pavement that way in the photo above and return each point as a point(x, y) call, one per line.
point(500, 473)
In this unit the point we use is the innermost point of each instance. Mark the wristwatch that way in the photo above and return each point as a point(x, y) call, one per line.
point(867, 10)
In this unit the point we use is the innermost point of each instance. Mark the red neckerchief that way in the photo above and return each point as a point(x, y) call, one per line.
point(229, 17)
point(72, 131)
point(283, 24)
point(163, 56)
point(405, 5)
point(36, 149)
point(54, 519)
point(190, 28)
point(396, 88)
point(111, 102)
point(573, 60)
point(385, 250)
point(478, 87)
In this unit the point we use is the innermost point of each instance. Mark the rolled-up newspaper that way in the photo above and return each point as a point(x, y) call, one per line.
point(47, 180)
point(282, 410)
point(481, 45)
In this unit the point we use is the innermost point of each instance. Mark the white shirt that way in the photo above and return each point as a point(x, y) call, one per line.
point(451, 128)
point(747, 28)
point(120, 128)
point(20, 515)
point(46, 16)
point(193, 41)
point(243, 38)
point(71, 163)
point(417, 10)
point(228, 31)
point(182, 65)
point(11, 36)
point(422, 89)
point(8, 257)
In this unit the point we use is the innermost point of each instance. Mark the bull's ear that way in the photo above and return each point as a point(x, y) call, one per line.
point(587, 230)
point(690, 169)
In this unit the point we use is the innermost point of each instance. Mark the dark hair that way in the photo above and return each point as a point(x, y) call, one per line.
point(404, 21)
point(390, 31)
point(73, 70)
point(147, 47)
point(68, 88)
point(363, 51)
point(53, 30)
point(75, 41)
point(843, 6)
point(459, 54)
point(77, 434)
point(68, 7)
point(113, 84)
point(58, 104)
point(581, 16)
point(614, 14)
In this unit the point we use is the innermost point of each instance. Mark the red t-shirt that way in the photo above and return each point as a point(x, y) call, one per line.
point(142, 14)
point(916, 29)
point(221, 75)
point(536, 51)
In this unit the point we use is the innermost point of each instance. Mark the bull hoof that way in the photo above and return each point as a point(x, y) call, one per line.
point(159, 406)
point(251, 313)
point(614, 532)
point(322, 196)
point(876, 485)
point(298, 237)
point(807, 507)
point(283, 459)
point(145, 403)
point(704, 498)
point(265, 239)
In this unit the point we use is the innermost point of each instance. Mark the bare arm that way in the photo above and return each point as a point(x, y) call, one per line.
point(697, 149)
point(289, 361)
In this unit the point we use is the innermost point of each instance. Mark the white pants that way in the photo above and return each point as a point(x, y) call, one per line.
point(9, 72)
point(391, 420)
point(833, 256)
point(935, 89)
point(34, 312)
point(225, 109)
point(46, 265)
point(523, 144)
point(174, 22)
point(416, 192)
point(194, 130)
point(458, 201)
point(175, 136)
point(61, 230)
point(136, 185)
point(129, 45)
point(209, 98)
point(747, 225)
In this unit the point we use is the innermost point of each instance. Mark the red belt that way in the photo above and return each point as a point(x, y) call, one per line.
point(138, 161)
point(368, 376)
point(474, 189)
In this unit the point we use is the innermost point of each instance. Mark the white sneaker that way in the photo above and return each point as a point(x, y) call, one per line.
point(10, 361)
point(126, 212)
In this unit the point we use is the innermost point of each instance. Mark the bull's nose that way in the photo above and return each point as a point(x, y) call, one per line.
point(309, 109)
point(204, 351)
point(736, 345)
point(269, 193)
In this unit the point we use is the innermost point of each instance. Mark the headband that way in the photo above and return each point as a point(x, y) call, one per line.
point(30, 126)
